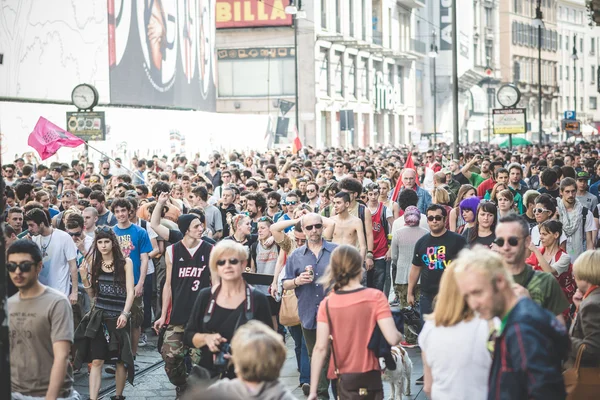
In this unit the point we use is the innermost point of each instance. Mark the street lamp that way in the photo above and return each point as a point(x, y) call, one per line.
point(574, 58)
point(433, 53)
point(538, 23)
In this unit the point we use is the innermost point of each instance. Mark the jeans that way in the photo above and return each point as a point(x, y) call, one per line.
point(377, 275)
point(425, 304)
point(147, 302)
point(301, 353)
point(310, 335)
point(388, 279)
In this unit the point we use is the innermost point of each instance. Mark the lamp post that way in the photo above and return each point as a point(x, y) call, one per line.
point(490, 104)
point(294, 9)
point(575, 58)
point(455, 125)
point(433, 53)
point(539, 23)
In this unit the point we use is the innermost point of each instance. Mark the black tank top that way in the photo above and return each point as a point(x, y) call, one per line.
point(111, 296)
point(188, 276)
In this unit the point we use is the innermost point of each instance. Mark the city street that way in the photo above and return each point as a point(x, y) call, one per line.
point(152, 383)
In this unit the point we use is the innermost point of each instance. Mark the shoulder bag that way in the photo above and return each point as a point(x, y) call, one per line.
point(354, 386)
point(582, 383)
point(288, 313)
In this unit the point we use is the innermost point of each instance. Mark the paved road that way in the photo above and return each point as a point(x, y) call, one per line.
point(154, 385)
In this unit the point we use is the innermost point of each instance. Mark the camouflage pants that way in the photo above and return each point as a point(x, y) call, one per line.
point(402, 293)
point(174, 352)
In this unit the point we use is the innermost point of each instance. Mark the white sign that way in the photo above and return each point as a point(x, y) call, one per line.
point(509, 121)
point(387, 96)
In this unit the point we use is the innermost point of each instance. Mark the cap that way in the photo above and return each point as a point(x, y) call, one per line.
point(131, 193)
point(446, 171)
point(184, 222)
point(583, 175)
point(412, 216)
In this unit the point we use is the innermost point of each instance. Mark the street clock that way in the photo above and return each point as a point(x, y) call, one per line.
point(508, 96)
point(84, 96)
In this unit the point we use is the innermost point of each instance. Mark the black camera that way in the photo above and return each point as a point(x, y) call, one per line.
point(220, 361)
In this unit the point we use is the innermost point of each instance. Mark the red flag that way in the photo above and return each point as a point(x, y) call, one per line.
point(408, 164)
point(296, 144)
point(47, 138)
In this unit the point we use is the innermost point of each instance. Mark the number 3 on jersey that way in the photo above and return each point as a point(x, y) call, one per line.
point(196, 285)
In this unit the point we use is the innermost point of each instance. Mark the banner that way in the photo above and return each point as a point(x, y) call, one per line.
point(162, 53)
point(252, 13)
point(509, 121)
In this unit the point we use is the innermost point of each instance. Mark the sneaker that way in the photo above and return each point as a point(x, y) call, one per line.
point(143, 340)
point(179, 390)
point(306, 389)
point(395, 302)
point(419, 381)
point(110, 369)
point(407, 345)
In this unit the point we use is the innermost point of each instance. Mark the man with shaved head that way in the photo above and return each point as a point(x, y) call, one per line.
point(315, 253)
point(409, 181)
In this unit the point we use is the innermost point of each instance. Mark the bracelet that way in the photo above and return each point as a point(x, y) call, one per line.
point(295, 284)
point(87, 287)
point(127, 314)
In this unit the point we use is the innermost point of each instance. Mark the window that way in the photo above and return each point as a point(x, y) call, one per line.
point(567, 103)
point(256, 77)
point(324, 14)
point(566, 73)
point(324, 72)
point(364, 78)
point(400, 75)
point(560, 73)
point(593, 74)
point(581, 103)
point(489, 21)
point(351, 82)
point(338, 81)
point(593, 103)
point(489, 49)
point(593, 46)
point(581, 72)
point(516, 71)
point(566, 43)
point(581, 45)
point(560, 41)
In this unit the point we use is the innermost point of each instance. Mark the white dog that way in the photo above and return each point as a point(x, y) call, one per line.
point(399, 378)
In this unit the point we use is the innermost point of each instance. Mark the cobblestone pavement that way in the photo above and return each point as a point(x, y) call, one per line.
point(153, 384)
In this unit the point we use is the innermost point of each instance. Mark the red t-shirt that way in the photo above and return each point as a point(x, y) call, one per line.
point(380, 243)
point(353, 316)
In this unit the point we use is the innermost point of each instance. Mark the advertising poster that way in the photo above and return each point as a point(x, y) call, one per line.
point(252, 13)
point(162, 53)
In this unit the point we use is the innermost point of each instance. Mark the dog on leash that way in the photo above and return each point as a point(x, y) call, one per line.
point(400, 377)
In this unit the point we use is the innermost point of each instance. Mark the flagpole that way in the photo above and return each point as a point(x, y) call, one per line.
point(110, 158)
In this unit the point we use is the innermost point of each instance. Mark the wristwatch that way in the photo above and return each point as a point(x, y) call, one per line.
point(127, 314)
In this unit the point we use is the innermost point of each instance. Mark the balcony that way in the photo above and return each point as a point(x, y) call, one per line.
point(418, 47)
point(411, 3)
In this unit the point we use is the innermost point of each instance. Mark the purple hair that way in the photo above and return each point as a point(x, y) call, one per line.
point(470, 203)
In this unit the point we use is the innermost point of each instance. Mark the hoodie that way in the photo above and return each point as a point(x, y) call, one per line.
point(528, 355)
point(234, 389)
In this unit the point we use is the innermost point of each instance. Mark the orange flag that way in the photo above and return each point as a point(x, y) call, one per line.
point(296, 144)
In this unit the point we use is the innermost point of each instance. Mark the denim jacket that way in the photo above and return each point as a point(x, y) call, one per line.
point(528, 354)
point(424, 199)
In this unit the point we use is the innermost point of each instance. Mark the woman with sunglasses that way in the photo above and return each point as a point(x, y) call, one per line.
point(455, 217)
point(544, 210)
point(107, 276)
point(483, 230)
point(241, 224)
point(219, 311)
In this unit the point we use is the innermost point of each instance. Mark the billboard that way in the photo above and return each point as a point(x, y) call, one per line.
point(162, 53)
point(509, 121)
point(251, 13)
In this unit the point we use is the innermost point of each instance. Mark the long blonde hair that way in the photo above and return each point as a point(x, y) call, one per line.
point(450, 306)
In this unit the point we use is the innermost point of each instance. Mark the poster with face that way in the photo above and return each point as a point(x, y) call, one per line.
point(161, 53)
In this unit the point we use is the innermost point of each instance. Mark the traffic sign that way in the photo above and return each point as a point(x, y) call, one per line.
point(571, 115)
point(509, 121)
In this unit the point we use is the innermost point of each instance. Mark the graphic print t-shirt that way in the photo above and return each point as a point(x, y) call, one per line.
point(134, 241)
point(433, 254)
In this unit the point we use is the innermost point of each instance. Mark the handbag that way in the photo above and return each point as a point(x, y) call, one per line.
point(354, 386)
point(288, 313)
point(582, 383)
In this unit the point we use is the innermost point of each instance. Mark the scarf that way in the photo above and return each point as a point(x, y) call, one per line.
point(571, 220)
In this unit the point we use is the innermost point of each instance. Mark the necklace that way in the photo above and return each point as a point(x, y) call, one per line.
point(108, 265)
point(44, 248)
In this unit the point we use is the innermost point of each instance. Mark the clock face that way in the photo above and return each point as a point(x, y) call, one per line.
point(508, 96)
point(84, 97)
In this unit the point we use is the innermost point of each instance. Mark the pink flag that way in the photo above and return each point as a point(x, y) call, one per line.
point(47, 138)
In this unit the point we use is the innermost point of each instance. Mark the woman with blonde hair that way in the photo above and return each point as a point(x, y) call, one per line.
point(455, 216)
point(350, 305)
point(220, 310)
point(456, 362)
point(506, 203)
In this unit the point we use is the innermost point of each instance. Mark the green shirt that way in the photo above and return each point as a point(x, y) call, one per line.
point(476, 179)
point(544, 290)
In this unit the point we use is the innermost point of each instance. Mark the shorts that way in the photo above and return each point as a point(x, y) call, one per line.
point(18, 396)
point(137, 312)
point(99, 348)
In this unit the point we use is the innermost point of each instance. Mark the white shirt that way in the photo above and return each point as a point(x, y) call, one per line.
point(57, 250)
point(151, 235)
point(399, 223)
point(459, 359)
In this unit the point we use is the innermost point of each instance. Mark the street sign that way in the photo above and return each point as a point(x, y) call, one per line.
point(87, 125)
point(509, 121)
point(571, 127)
point(571, 115)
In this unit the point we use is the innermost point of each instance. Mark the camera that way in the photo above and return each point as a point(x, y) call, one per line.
point(220, 361)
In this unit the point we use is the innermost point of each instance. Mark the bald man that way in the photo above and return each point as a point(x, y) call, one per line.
point(409, 181)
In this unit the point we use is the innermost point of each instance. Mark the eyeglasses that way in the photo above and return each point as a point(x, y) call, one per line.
point(103, 229)
point(291, 203)
point(540, 210)
point(437, 218)
point(76, 234)
point(232, 261)
point(25, 266)
point(513, 241)
point(316, 226)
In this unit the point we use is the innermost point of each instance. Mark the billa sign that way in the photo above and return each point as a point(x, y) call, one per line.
point(251, 13)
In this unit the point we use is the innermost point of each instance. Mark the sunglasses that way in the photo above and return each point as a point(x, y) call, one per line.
point(9, 171)
point(265, 219)
point(316, 226)
point(76, 234)
point(310, 191)
point(513, 241)
point(437, 218)
point(25, 266)
point(232, 261)
point(103, 229)
point(291, 203)
point(540, 210)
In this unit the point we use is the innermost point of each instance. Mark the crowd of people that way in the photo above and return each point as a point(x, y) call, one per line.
point(227, 257)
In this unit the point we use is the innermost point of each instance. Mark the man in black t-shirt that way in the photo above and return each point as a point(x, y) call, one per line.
point(187, 272)
point(433, 253)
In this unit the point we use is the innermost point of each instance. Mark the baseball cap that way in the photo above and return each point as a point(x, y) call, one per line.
point(583, 175)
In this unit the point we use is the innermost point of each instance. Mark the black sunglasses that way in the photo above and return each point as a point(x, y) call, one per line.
point(76, 234)
point(232, 261)
point(435, 217)
point(513, 241)
point(105, 229)
point(316, 226)
point(25, 266)
point(291, 203)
